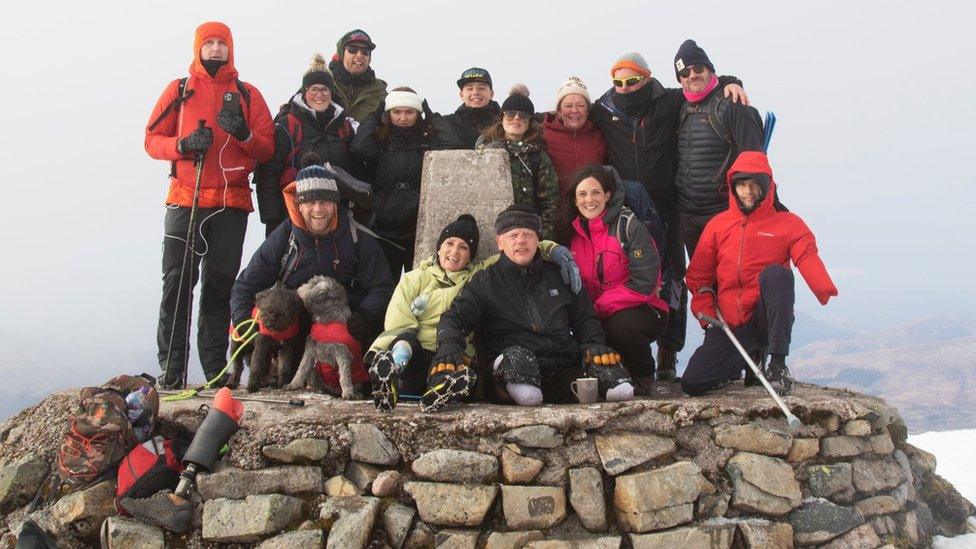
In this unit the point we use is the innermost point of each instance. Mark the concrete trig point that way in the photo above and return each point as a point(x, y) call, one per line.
point(457, 182)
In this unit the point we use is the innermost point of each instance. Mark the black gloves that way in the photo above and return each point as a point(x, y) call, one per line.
point(600, 355)
point(449, 357)
point(428, 114)
point(233, 124)
point(359, 328)
point(197, 142)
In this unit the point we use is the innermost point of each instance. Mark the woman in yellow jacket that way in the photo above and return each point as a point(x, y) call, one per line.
point(400, 356)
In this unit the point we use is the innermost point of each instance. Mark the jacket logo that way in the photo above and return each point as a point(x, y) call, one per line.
point(554, 292)
point(761, 233)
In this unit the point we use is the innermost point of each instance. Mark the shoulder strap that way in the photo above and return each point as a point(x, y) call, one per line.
point(623, 227)
point(245, 93)
point(289, 260)
point(714, 120)
point(181, 96)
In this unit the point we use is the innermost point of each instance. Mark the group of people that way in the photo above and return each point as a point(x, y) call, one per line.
point(583, 283)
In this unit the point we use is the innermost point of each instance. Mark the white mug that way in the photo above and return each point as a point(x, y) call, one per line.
point(585, 389)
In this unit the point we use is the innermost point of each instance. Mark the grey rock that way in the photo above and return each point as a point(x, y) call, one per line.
point(659, 498)
point(844, 446)
point(877, 505)
point(354, 518)
point(586, 497)
point(459, 466)
point(862, 537)
point(386, 483)
point(535, 436)
point(370, 445)
point(873, 476)
point(361, 475)
point(826, 481)
point(456, 539)
point(512, 540)
point(857, 428)
point(712, 536)
point(339, 485)
point(884, 526)
point(763, 484)
point(519, 469)
point(621, 451)
point(803, 449)
point(753, 438)
point(602, 542)
point(910, 527)
point(451, 504)
point(922, 462)
point(247, 520)
point(82, 513)
point(530, 507)
point(396, 522)
point(301, 450)
point(819, 521)
point(19, 481)
point(296, 539)
point(765, 534)
point(134, 534)
point(447, 190)
point(881, 444)
point(713, 506)
point(420, 537)
point(233, 483)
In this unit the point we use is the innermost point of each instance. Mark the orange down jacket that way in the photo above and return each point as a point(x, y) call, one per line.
point(735, 247)
point(228, 162)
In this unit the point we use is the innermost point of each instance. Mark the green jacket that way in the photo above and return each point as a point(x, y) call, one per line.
point(360, 101)
point(534, 180)
point(441, 287)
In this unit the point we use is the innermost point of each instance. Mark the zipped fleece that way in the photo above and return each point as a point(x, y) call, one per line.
point(228, 161)
point(735, 248)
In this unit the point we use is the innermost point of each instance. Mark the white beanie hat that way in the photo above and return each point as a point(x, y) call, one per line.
point(396, 99)
point(572, 85)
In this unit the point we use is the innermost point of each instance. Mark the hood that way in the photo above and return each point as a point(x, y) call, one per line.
point(298, 102)
point(214, 29)
point(291, 202)
point(617, 198)
point(756, 163)
point(552, 122)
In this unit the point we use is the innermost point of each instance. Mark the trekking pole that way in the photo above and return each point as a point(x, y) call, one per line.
point(293, 401)
point(187, 261)
point(791, 419)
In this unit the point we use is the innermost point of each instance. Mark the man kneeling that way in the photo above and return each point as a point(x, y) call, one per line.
point(535, 334)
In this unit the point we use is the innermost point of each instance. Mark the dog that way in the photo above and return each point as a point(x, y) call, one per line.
point(279, 313)
point(333, 358)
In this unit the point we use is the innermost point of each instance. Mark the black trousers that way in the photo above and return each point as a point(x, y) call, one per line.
point(399, 259)
point(674, 336)
point(630, 331)
point(692, 226)
point(768, 331)
point(557, 375)
point(220, 239)
point(413, 378)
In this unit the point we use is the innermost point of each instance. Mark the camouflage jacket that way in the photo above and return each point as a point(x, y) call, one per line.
point(533, 179)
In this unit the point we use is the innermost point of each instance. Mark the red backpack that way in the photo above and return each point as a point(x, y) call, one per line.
point(148, 468)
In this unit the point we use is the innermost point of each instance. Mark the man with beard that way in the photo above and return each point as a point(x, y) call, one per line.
point(236, 133)
point(477, 112)
point(356, 87)
point(639, 120)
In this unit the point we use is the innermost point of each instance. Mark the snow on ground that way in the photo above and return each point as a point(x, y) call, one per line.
point(967, 541)
point(955, 454)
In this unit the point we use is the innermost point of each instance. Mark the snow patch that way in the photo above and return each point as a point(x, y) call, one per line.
point(955, 455)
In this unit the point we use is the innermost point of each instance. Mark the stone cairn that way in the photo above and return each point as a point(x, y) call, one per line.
point(713, 472)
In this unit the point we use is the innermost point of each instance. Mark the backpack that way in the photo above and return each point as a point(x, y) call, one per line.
point(150, 467)
point(101, 432)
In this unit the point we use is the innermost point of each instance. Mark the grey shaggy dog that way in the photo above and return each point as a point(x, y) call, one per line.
point(278, 309)
point(325, 300)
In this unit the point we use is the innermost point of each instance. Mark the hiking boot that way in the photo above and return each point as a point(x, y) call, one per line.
point(384, 374)
point(446, 387)
point(164, 509)
point(643, 386)
point(759, 359)
point(667, 364)
point(169, 384)
point(778, 375)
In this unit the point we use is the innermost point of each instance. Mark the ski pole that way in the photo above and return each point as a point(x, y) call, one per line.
point(187, 260)
point(791, 419)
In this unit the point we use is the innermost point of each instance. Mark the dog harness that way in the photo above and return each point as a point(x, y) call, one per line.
point(338, 332)
point(279, 335)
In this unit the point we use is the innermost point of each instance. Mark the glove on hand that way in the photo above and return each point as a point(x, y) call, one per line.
point(449, 357)
point(197, 142)
point(600, 355)
point(357, 326)
point(568, 268)
point(419, 304)
point(233, 124)
point(428, 114)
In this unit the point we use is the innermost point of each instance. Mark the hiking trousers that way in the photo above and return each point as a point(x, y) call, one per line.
point(217, 249)
point(630, 331)
point(768, 332)
point(674, 335)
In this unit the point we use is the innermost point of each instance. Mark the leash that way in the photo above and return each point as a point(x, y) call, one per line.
point(249, 334)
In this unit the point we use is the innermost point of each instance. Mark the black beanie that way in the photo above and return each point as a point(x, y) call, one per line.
point(690, 54)
point(464, 227)
point(518, 216)
point(321, 78)
point(518, 102)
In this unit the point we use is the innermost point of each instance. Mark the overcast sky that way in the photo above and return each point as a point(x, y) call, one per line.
point(873, 148)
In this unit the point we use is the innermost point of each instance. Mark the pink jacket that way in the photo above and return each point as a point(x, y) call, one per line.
point(615, 278)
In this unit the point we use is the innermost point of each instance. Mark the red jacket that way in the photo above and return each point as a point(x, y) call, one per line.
point(571, 150)
point(735, 247)
point(338, 332)
point(229, 161)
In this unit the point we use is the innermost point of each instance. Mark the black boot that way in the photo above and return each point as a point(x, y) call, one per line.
point(778, 375)
point(667, 364)
point(759, 359)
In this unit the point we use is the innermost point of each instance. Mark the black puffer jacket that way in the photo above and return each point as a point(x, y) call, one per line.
point(528, 306)
point(327, 134)
point(466, 124)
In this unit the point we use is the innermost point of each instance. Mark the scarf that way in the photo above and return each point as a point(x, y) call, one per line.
point(700, 96)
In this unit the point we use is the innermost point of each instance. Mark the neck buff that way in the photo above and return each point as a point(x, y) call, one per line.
point(345, 77)
point(212, 66)
point(697, 97)
point(631, 103)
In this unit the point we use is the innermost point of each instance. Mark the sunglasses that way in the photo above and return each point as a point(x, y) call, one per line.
point(629, 81)
point(353, 50)
point(511, 115)
point(686, 72)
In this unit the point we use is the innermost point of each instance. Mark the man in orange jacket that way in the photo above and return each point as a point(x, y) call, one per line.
point(236, 132)
point(741, 268)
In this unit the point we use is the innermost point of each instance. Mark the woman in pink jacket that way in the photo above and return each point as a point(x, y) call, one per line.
point(620, 268)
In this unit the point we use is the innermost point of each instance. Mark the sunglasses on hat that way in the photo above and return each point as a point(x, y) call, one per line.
point(353, 50)
point(629, 81)
point(511, 115)
point(686, 72)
